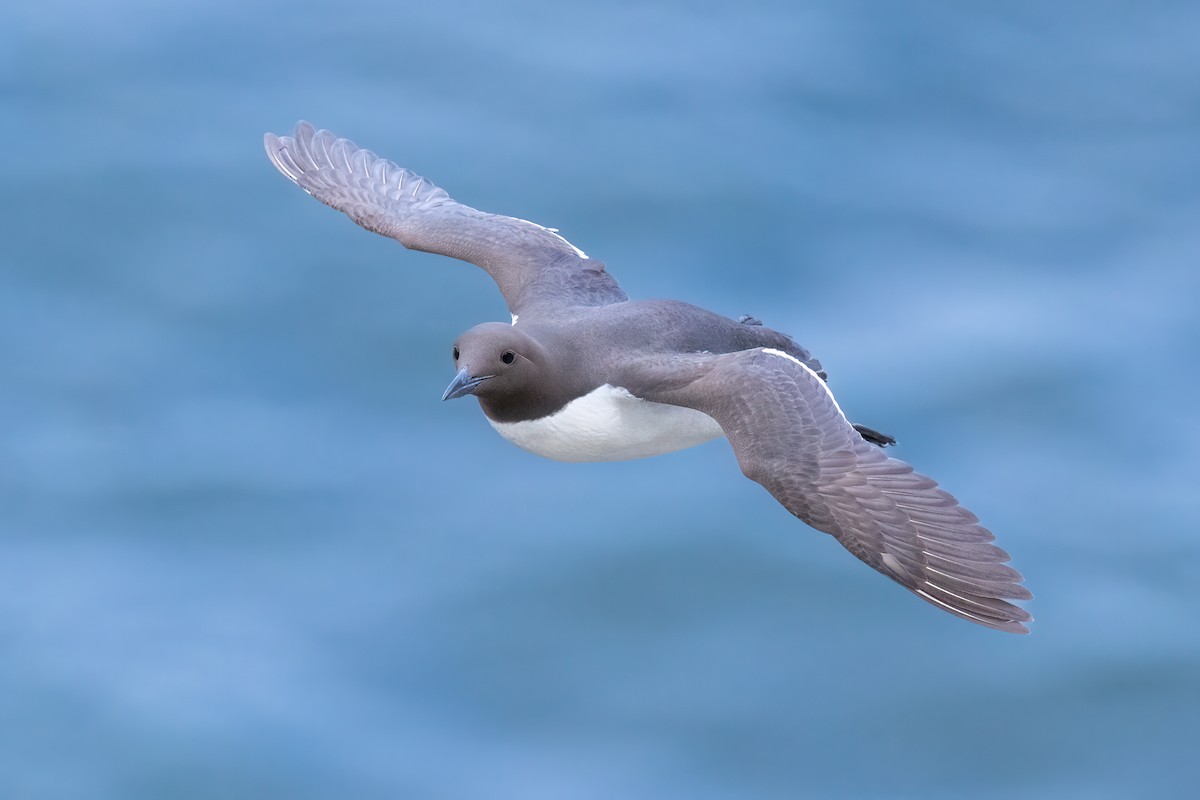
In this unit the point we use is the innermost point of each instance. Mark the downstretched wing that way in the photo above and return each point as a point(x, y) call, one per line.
point(532, 265)
point(789, 435)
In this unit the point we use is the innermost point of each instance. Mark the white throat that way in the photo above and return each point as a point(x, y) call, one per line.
point(610, 424)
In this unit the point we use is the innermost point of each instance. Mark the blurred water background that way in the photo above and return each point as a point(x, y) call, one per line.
point(247, 552)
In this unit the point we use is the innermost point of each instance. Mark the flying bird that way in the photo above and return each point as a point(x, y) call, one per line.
point(583, 373)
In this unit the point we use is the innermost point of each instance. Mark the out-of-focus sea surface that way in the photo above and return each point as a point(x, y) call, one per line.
point(247, 552)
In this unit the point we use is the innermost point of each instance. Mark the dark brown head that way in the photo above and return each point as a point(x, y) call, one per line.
point(497, 363)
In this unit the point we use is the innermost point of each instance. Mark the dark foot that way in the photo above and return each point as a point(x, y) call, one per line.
point(746, 319)
point(873, 436)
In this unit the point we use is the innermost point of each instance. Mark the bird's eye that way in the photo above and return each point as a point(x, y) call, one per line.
point(508, 356)
point(456, 352)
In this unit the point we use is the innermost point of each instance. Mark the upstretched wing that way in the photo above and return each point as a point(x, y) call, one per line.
point(789, 435)
point(532, 265)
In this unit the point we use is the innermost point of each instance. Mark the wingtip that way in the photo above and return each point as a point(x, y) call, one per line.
point(988, 611)
point(277, 151)
point(1018, 624)
point(283, 150)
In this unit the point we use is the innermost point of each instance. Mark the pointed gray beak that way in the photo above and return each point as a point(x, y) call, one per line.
point(462, 384)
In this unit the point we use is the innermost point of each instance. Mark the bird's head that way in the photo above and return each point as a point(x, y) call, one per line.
point(495, 362)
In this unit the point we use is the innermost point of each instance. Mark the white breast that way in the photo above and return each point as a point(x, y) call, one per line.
point(610, 424)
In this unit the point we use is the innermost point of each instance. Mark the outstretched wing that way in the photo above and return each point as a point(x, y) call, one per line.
point(532, 265)
point(789, 435)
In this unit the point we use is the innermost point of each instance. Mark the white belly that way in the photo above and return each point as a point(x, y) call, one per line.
point(610, 424)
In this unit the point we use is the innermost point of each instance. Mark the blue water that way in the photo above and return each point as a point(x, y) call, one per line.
point(247, 552)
